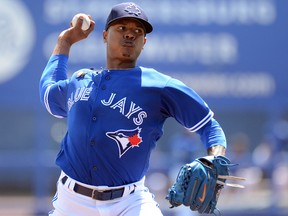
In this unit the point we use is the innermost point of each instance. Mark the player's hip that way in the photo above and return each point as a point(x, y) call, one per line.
point(69, 202)
point(100, 193)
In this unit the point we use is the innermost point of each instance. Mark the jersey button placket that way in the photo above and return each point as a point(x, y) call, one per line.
point(103, 87)
point(92, 142)
point(107, 77)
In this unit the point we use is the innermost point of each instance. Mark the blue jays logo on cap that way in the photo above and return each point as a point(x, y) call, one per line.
point(133, 9)
point(126, 139)
point(128, 10)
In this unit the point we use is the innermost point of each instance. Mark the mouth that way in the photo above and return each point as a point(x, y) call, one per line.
point(127, 43)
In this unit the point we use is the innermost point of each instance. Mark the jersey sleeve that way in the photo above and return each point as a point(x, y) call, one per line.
point(53, 86)
point(185, 105)
point(212, 134)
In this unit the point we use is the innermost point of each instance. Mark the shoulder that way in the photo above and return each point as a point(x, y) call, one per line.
point(152, 78)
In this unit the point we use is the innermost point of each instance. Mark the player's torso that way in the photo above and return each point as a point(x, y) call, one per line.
point(114, 119)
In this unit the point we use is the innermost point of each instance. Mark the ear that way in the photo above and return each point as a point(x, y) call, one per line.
point(144, 42)
point(104, 35)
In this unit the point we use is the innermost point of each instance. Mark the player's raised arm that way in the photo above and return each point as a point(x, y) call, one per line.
point(53, 84)
point(72, 35)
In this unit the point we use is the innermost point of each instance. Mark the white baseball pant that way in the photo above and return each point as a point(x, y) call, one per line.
point(136, 200)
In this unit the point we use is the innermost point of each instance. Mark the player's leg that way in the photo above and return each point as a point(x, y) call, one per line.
point(142, 203)
point(66, 202)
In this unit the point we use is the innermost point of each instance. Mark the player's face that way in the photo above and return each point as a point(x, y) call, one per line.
point(125, 40)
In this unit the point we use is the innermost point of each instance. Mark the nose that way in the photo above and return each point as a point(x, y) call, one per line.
point(129, 35)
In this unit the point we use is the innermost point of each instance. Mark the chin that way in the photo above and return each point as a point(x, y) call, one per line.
point(128, 56)
point(131, 56)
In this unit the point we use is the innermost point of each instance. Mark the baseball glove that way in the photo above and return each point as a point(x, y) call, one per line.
point(199, 183)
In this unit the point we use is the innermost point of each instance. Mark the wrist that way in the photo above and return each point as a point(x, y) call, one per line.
point(216, 150)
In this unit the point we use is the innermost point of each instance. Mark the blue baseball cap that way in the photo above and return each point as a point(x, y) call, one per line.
point(128, 10)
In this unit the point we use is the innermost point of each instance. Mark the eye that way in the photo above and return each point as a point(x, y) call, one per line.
point(121, 135)
point(139, 31)
point(121, 28)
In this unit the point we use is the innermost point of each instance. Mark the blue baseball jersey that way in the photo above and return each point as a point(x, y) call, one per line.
point(115, 117)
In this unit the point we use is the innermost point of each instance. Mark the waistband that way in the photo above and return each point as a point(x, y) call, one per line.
point(101, 193)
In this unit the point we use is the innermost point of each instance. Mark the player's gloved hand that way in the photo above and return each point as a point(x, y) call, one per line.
point(199, 183)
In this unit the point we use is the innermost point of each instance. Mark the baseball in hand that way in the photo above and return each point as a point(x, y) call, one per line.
point(86, 21)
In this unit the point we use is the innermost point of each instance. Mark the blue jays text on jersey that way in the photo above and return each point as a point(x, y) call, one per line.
point(115, 117)
point(81, 94)
point(121, 105)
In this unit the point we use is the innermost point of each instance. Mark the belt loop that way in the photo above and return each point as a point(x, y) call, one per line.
point(134, 188)
point(64, 179)
point(93, 194)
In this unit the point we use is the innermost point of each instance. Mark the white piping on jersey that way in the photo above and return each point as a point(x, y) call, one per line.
point(46, 102)
point(202, 122)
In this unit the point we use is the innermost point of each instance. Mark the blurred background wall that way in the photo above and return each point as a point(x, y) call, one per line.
point(232, 52)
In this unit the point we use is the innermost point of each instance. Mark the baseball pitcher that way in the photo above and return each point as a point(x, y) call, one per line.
point(115, 116)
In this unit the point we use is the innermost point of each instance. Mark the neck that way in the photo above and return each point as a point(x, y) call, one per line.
point(120, 65)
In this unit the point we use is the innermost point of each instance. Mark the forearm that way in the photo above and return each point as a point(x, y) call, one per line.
point(54, 71)
point(62, 47)
point(214, 138)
